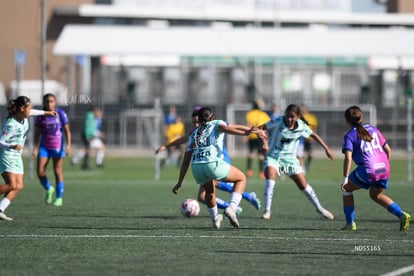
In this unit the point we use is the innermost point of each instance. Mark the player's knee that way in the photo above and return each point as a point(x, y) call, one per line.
point(41, 174)
point(16, 186)
point(58, 172)
point(374, 196)
point(20, 187)
point(346, 193)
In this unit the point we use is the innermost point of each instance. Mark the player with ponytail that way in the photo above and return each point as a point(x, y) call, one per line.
point(12, 139)
point(285, 133)
point(251, 197)
point(365, 145)
point(204, 150)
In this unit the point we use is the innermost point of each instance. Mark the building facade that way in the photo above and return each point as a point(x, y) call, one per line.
point(121, 78)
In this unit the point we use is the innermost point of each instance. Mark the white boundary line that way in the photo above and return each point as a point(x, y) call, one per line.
point(400, 271)
point(40, 236)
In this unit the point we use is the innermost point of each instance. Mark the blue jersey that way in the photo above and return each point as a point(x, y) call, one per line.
point(369, 156)
point(51, 129)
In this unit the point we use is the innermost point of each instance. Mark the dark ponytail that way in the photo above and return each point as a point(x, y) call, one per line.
point(204, 115)
point(14, 105)
point(353, 116)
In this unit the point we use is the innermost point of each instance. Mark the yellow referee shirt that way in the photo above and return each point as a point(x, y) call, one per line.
point(256, 117)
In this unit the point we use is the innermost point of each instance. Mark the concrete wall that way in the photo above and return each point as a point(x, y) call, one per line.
point(20, 22)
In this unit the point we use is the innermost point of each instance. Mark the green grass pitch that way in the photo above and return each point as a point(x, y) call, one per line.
point(119, 221)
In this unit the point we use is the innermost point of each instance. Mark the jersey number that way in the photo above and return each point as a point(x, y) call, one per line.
point(371, 146)
point(201, 155)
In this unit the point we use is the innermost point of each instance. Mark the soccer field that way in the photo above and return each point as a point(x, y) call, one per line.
point(119, 221)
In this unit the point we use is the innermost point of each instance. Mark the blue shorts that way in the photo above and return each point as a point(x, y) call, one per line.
point(50, 153)
point(360, 178)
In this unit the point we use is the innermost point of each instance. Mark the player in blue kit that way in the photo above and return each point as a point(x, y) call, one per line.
point(12, 139)
point(52, 140)
point(367, 147)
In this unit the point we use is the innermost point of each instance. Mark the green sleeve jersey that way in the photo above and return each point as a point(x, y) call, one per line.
point(89, 125)
point(13, 133)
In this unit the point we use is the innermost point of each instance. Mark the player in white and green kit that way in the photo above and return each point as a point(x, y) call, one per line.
point(12, 139)
point(204, 151)
point(281, 146)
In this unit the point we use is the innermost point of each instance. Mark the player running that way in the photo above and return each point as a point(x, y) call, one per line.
point(281, 146)
point(13, 137)
point(204, 152)
point(251, 197)
point(365, 145)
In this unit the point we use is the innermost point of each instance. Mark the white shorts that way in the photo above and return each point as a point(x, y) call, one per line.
point(288, 166)
point(96, 143)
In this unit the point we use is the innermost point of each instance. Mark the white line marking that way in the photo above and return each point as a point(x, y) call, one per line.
point(400, 271)
point(197, 237)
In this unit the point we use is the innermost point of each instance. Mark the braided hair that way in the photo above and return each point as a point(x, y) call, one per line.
point(204, 115)
point(353, 116)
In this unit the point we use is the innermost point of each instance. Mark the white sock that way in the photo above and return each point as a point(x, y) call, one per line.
point(311, 195)
point(78, 156)
point(268, 194)
point(235, 200)
point(4, 203)
point(99, 157)
point(213, 211)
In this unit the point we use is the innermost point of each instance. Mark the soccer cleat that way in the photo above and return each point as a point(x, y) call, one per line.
point(266, 215)
point(404, 221)
point(4, 217)
point(58, 202)
point(254, 200)
point(350, 227)
point(326, 214)
point(217, 221)
point(229, 212)
point(249, 173)
point(49, 195)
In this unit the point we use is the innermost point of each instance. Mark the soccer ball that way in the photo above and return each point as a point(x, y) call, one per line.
point(190, 208)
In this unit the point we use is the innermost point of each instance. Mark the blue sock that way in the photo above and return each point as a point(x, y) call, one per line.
point(349, 212)
point(246, 196)
point(221, 204)
point(45, 182)
point(228, 187)
point(224, 186)
point(59, 189)
point(394, 209)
